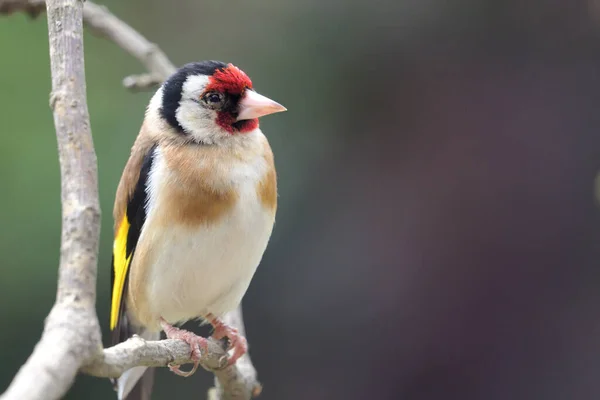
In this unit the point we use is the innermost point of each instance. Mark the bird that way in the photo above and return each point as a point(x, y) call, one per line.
point(193, 213)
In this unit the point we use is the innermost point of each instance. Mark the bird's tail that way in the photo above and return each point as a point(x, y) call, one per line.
point(135, 383)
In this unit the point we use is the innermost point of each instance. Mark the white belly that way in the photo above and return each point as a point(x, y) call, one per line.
point(207, 270)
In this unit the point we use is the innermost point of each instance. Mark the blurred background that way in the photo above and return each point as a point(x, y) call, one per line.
point(438, 233)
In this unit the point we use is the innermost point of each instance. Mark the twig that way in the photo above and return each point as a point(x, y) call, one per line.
point(71, 339)
point(136, 351)
point(142, 82)
point(240, 378)
point(102, 23)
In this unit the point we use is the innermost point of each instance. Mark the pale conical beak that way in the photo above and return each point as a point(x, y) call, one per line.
point(254, 105)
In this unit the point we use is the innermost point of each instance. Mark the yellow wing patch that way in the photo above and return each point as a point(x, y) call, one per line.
point(121, 265)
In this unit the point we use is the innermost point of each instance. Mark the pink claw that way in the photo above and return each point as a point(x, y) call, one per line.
point(237, 342)
point(196, 343)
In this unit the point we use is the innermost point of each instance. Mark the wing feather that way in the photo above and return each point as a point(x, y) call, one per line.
point(127, 234)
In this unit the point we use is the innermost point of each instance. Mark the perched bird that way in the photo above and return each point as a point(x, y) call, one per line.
point(193, 212)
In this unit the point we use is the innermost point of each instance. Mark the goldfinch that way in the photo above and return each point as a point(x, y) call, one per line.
point(193, 212)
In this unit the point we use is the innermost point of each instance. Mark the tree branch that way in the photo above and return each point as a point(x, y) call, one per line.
point(102, 23)
point(71, 340)
point(136, 351)
point(240, 378)
point(71, 333)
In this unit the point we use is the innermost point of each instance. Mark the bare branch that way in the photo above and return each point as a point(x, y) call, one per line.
point(141, 82)
point(237, 382)
point(71, 339)
point(136, 351)
point(240, 378)
point(102, 23)
point(72, 333)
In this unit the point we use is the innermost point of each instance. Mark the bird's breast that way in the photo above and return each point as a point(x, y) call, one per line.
point(203, 238)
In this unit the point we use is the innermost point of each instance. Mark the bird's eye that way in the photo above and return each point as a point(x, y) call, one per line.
point(213, 98)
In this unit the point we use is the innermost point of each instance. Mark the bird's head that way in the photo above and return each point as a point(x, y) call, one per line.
point(209, 101)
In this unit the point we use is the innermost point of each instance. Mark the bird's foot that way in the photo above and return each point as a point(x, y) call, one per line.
point(237, 342)
point(196, 343)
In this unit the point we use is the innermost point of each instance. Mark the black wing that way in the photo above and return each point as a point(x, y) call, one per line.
point(136, 216)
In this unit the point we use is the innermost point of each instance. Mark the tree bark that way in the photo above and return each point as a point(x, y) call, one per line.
point(72, 332)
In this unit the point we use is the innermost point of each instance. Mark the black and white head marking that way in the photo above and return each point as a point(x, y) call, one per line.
point(186, 108)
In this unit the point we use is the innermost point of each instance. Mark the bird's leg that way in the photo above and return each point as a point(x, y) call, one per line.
point(236, 341)
point(196, 342)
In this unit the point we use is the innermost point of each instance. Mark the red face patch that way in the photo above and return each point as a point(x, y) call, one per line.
point(227, 121)
point(230, 80)
point(233, 81)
